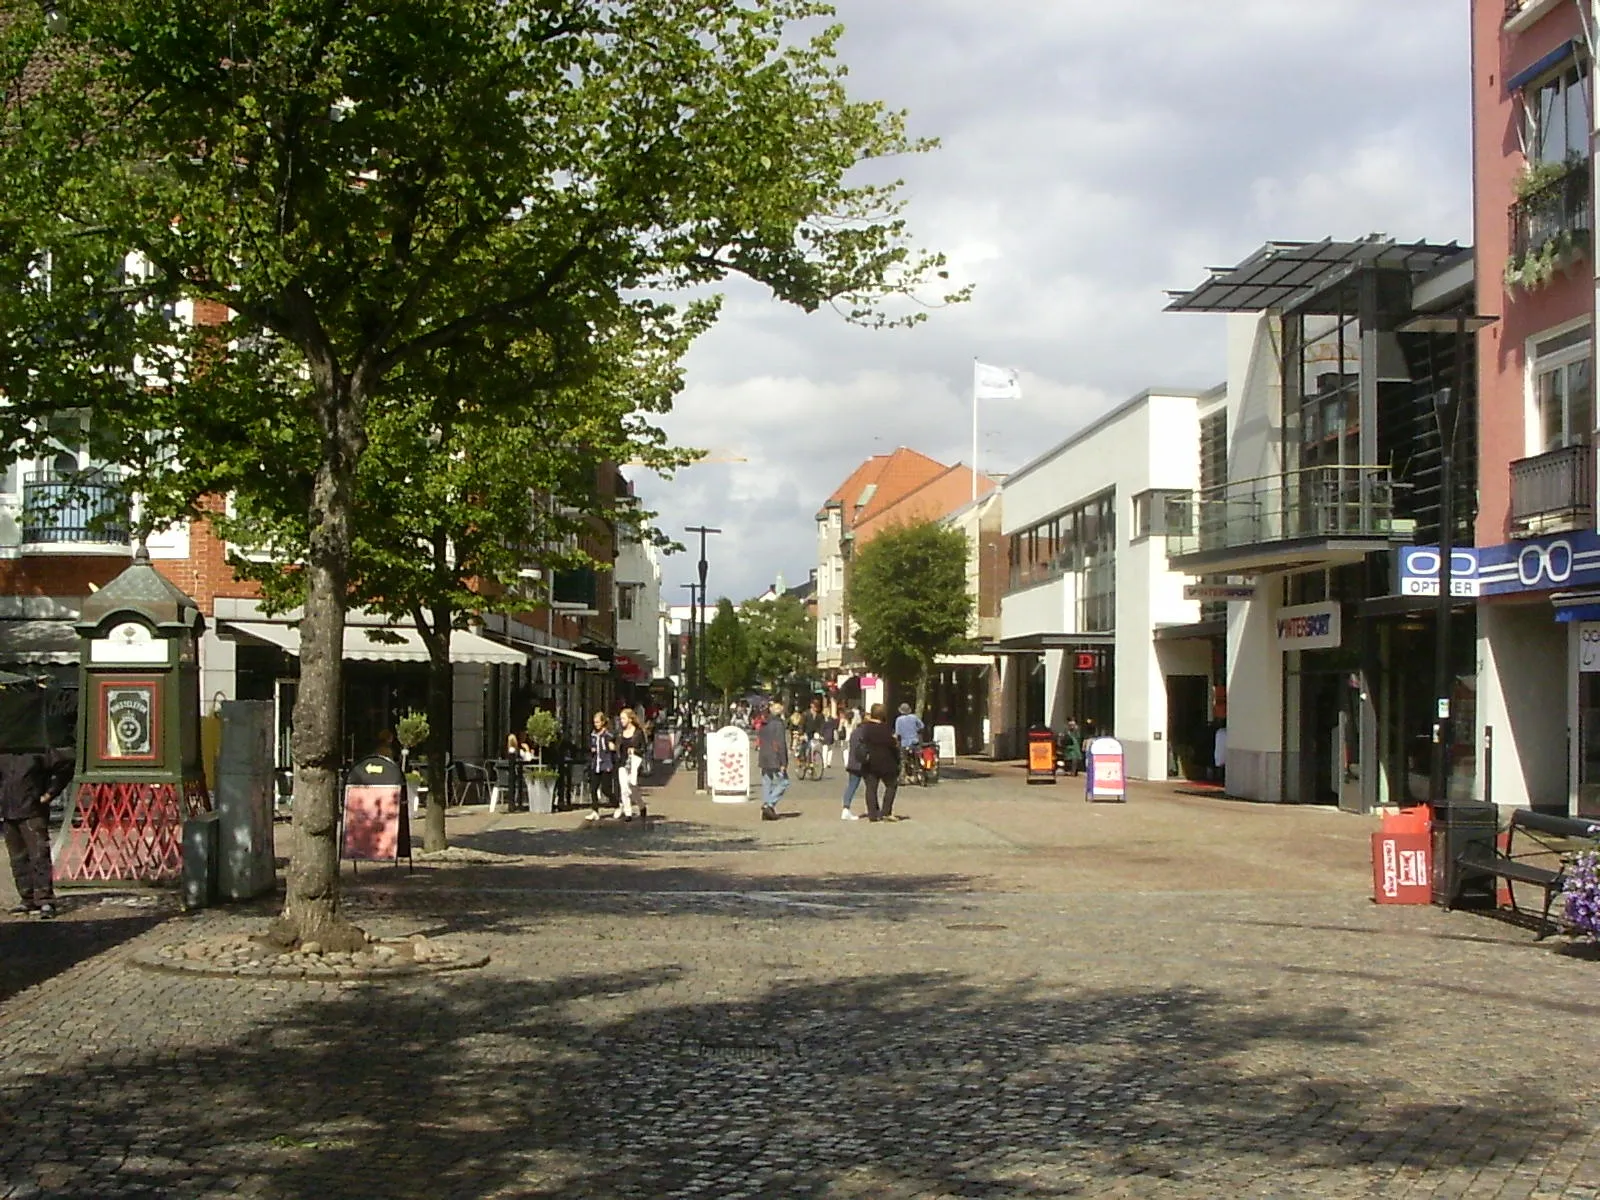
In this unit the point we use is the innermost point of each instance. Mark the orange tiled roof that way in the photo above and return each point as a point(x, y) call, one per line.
point(940, 496)
point(881, 481)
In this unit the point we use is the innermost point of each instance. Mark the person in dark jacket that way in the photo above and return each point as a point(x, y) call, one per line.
point(28, 784)
point(601, 764)
point(880, 765)
point(772, 748)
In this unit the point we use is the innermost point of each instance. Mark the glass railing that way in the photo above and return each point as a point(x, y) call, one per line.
point(1313, 502)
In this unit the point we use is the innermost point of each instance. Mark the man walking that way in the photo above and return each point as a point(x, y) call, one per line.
point(28, 783)
point(772, 748)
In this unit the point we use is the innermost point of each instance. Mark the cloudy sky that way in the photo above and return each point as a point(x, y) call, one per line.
point(1095, 153)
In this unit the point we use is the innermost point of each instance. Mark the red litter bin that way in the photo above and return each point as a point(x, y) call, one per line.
point(1041, 755)
point(1402, 858)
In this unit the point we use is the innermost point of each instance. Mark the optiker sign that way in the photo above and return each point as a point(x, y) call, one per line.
point(1309, 627)
point(1418, 568)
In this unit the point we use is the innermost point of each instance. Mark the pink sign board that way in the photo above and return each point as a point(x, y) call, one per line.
point(372, 822)
point(1105, 773)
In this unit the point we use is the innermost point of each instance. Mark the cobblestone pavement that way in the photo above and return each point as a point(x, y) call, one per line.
point(1013, 994)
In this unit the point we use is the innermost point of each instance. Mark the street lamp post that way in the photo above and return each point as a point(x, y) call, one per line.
point(1445, 409)
point(699, 658)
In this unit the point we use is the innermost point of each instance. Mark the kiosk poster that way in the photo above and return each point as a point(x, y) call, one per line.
point(128, 715)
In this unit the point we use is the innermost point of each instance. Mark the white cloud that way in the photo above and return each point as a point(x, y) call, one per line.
point(1093, 155)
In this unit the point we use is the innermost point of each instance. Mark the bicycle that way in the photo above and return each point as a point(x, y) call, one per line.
point(928, 761)
point(807, 758)
point(911, 769)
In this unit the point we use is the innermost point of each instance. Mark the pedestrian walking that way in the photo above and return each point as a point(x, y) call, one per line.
point(28, 784)
point(828, 735)
point(630, 754)
point(852, 770)
point(880, 764)
point(1072, 748)
point(602, 764)
point(772, 746)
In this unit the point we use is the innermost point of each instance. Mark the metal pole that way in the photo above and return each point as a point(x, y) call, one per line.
point(1446, 406)
point(699, 658)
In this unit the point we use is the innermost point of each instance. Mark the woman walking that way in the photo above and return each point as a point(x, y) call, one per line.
point(630, 753)
point(880, 764)
point(602, 764)
point(852, 768)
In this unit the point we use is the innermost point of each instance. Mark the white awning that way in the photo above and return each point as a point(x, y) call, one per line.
point(591, 661)
point(400, 644)
point(38, 641)
point(963, 660)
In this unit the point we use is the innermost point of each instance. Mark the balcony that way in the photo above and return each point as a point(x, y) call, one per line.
point(1313, 516)
point(1551, 225)
point(74, 511)
point(1553, 492)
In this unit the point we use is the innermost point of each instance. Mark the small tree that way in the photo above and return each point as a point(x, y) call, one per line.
point(543, 729)
point(727, 652)
point(908, 594)
point(782, 638)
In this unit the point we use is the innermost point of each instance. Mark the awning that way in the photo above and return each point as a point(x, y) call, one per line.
point(400, 644)
point(38, 641)
point(1535, 69)
point(523, 646)
point(964, 660)
point(1038, 643)
point(1576, 606)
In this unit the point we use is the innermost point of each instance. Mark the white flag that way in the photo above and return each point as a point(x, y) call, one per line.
point(995, 383)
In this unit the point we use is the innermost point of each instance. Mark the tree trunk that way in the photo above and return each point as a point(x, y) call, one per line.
point(311, 909)
point(923, 670)
point(441, 720)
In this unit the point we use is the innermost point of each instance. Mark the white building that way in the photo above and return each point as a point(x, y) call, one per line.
point(637, 579)
point(1089, 590)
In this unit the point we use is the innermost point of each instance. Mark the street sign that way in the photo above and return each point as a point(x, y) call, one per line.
point(1219, 591)
point(1086, 662)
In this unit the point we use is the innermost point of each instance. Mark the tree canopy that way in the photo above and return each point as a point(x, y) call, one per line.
point(907, 593)
point(728, 662)
point(783, 639)
point(362, 201)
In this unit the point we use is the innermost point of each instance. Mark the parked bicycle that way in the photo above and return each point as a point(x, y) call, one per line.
point(919, 765)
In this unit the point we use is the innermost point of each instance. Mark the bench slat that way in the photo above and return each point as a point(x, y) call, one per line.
point(1511, 868)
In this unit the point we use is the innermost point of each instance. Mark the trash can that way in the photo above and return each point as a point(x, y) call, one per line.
point(1458, 824)
point(200, 855)
point(1402, 858)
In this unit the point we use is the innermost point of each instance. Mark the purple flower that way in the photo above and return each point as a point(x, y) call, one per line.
point(1581, 895)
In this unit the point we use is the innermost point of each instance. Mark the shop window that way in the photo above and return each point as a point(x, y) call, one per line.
point(1563, 391)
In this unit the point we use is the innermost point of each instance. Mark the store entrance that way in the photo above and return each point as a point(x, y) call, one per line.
point(1325, 751)
point(1189, 731)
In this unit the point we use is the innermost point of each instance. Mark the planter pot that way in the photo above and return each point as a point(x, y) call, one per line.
point(541, 795)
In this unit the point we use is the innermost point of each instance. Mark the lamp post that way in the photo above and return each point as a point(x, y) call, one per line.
point(1446, 407)
point(699, 657)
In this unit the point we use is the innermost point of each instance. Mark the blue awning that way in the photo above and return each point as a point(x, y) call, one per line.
point(1587, 612)
point(1531, 72)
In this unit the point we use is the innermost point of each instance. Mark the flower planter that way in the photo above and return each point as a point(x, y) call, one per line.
point(541, 794)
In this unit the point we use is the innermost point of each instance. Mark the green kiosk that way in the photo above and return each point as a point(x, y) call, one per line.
point(138, 772)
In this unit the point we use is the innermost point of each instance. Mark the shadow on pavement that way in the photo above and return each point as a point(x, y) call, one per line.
point(513, 896)
point(889, 1084)
point(32, 951)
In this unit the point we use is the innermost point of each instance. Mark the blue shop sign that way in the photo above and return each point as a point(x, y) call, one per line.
point(1564, 560)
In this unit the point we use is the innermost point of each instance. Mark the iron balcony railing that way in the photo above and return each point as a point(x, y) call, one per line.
point(1553, 492)
point(72, 508)
point(1562, 207)
point(1313, 502)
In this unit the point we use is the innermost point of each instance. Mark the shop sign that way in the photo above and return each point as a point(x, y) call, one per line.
point(1309, 627)
point(1085, 662)
point(1589, 647)
point(1567, 560)
point(1219, 591)
point(1418, 568)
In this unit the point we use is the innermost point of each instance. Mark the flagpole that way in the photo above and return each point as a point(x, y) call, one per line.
point(974, 430)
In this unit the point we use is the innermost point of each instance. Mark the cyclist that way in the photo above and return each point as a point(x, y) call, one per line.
point(811, 730)
point(908, 732)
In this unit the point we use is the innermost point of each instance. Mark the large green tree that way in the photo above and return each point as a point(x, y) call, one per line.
point(356, 190)
point(907, 592)
point(783, 639)
point(728, 661)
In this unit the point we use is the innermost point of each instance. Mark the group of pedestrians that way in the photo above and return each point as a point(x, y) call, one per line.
point(613, 763)
point(871, 756)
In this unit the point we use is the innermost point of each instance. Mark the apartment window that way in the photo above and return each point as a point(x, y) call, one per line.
point(1563, 390)
point(1163, 511)
point(625, 602)
point(1558, 114)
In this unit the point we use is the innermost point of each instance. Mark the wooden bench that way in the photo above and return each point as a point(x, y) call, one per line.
point(1553, 839)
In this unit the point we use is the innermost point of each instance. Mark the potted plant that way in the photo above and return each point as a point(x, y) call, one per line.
point(543, 730)
point(1581, 895)
point(411, 731)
